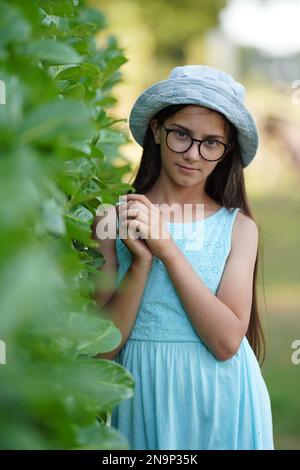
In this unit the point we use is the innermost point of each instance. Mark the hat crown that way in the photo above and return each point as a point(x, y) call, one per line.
point(204, 72)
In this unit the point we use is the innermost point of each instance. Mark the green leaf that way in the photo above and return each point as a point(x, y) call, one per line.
point(91, 335)
point(120, 187)
point(101, 437)
point(53, 52)
point(63, 121)
point(83, 214)
point(91, 15)
point(89, 190)
point(107, 101)
point(11, 114)
point(80, 167)
point(26, 292)
point(59, 8)
point(52, 217)
point(78, 222)
point(78, 71)
point(76, 90)
point(99, 382)
point(96, 258)
point(13, 26)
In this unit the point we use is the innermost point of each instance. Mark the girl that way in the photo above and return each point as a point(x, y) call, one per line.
point(191, 335)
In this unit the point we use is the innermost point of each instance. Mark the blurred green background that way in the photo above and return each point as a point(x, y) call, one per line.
point(162, 34)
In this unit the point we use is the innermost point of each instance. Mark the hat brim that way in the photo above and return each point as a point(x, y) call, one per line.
point(198, 92)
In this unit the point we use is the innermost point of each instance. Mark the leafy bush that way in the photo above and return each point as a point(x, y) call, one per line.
point(58, 146)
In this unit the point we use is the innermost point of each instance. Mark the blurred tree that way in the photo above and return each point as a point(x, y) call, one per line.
point(176, 23)
point(173, 25)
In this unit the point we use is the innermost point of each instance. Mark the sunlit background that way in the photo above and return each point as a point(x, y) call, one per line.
point(257, 41)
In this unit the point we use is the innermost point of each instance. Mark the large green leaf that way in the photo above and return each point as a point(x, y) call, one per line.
point(59, 8)
point(78, 71)
point(78, 221)
point(60, 121)
point(53, 52)
point(101, 437)
point(13, 25)
point(101, 383)
point(91, 335)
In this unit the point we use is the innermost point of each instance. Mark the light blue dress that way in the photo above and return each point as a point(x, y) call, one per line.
point(184, 397)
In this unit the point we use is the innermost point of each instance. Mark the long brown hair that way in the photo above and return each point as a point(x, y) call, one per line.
point(225, 185)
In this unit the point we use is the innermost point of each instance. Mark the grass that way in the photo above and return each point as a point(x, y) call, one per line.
point(279, 218)
point(283, 378)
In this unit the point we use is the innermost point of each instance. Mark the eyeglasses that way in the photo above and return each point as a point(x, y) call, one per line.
point(210, 148)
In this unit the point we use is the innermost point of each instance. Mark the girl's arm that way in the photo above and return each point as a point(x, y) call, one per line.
point(123, 306)
point(120, 306)
point(221, 320)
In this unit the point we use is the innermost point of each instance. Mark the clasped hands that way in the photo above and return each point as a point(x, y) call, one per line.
point(140, 218)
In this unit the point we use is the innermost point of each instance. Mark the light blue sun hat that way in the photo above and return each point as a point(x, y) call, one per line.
point(201, 85)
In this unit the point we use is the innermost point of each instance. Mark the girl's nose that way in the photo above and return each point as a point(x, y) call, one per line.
point(193, 152)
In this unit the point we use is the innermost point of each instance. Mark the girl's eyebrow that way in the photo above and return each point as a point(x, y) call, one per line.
point(191, 132)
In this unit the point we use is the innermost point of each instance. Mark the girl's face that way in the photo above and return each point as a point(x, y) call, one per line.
point(201, 122)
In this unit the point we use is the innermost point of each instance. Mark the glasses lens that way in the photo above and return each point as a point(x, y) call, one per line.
point(212, 149)
point(179, 141)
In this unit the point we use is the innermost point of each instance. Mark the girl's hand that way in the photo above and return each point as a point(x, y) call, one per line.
point(146, 218)
point(142, 256)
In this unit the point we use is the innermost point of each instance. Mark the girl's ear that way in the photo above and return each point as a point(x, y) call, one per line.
point(155, 129)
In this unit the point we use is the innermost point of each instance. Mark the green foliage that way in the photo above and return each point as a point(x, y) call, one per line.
point(182, 20)
point(173, 24)
point(56, 166)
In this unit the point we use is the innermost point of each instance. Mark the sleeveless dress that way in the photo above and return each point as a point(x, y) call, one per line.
point(184, 397)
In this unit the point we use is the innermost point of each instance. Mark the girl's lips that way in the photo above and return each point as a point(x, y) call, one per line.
point(187, 168)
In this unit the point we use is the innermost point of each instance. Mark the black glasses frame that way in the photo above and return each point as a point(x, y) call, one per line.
point(226, 146)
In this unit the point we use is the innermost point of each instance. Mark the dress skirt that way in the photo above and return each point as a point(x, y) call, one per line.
point(186, 399)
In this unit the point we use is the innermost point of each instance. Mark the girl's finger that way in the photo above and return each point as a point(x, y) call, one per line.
point(136, 203)
point(134, 211)
point(138, 197)
point(138, 216)
point(124, 211)
point(133, 229)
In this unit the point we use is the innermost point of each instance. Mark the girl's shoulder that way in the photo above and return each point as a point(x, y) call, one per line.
point(243, 220)
point(245, 230)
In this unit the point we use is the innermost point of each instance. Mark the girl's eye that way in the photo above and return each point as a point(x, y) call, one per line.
point(181, 134)
point(212, 142)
